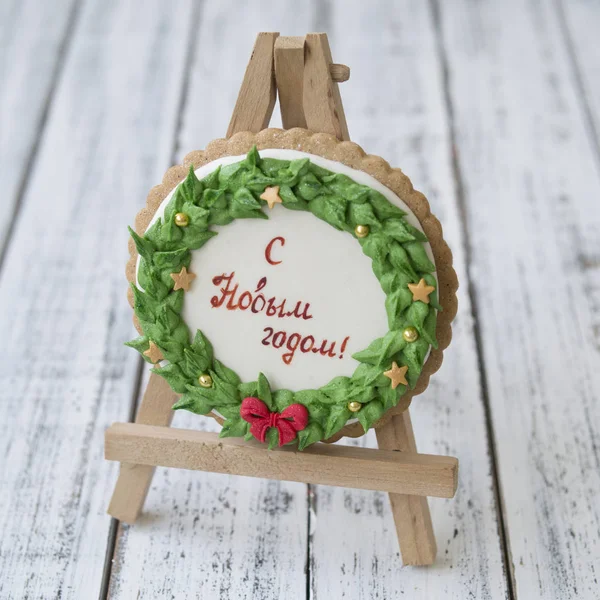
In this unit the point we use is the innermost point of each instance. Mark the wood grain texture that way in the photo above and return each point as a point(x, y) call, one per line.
point(256, 99)
point(323, 107)
point(524, 155)
point(353, 532)
point(134, 479)
point(411, 513)
point(221, 537)
point(204, 534)
point(579, 22)
point(289, 76)
point(524, 107)
point(33, 37)
point(64, 317)
point(369, 469)
point(339, 72)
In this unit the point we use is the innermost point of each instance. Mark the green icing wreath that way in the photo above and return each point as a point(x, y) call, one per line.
point(398, 255)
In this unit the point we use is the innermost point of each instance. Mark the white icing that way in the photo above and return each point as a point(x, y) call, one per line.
point(320, 266)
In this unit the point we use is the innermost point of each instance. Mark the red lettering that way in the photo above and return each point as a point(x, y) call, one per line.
point(323, 349)
point(257, 303)
point(292, 343)
point(271, 311)
point(265, 341)
point(255, 308)
point(279, 339)
point(300, 315)
point(295, 341)
point(215, 301)
point(269, 249)
point(231, 305)
point(343, 348)
point(247, 296)
point(304, 347)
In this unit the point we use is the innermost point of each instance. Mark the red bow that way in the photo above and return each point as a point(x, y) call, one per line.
point(291, 420)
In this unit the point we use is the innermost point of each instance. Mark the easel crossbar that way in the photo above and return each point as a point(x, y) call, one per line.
point(328, 464)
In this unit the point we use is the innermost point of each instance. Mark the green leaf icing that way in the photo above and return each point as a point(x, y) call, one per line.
point(397, 251)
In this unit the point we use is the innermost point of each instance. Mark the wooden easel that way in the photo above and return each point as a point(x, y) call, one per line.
point(302, 71)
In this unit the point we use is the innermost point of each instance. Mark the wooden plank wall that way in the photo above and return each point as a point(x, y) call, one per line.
point(528, 169)
point(34, 40)
point(108, 136)
point(410, 104)
point(492, 109)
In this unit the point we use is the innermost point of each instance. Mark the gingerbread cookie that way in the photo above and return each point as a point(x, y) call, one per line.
point(291, 286)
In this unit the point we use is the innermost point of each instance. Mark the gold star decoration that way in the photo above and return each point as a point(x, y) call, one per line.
point(183, 279)
point(271, 196)
point(397, 375)
point(421, 291)
point(154, 353)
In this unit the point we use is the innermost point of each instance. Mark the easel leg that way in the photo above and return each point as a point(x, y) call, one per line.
point(411, 513)
point(134, 480)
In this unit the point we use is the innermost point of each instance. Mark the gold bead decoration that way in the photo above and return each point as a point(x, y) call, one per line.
point(205, 380)
point(361, 231)
point(182, 220)
point(354, 406)
point(410, 334)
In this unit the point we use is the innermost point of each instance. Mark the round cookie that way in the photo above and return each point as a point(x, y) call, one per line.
point(328, 292)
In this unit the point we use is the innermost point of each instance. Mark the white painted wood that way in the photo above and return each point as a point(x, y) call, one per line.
point(213, 536)
point(64, 317)
point(222, 537)
point(220, 62)
point(580, 22)
point(396, 109)
point(203, 534)
point(531, 188)
point(32, 35)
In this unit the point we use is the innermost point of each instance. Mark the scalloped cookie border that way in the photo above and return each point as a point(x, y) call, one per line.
point(351, 155)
